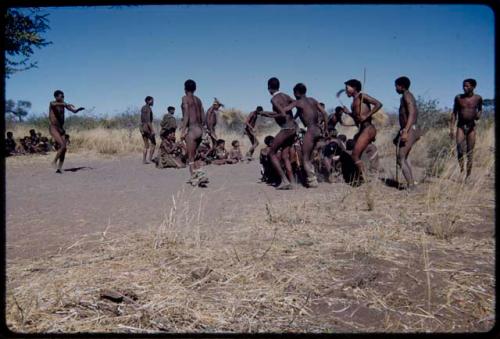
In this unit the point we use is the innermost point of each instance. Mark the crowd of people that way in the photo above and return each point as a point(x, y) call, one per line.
point(34, 143)
point(294, 155)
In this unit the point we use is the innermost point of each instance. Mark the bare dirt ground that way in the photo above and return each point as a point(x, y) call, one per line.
point(240, 255)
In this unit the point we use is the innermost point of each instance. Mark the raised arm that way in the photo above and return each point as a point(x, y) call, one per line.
point(372, 101)
point(453, 117)
point(72, 108)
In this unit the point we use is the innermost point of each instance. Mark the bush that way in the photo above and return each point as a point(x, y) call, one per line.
point(430, 115)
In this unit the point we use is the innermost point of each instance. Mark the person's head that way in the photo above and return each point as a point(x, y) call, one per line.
point(217, 104)
point(322, 104)
point(39, 134)
point(149, 100)
point(259, 109)
point(59, 95)
point(268, 140)
point(171, 136)
point(352, 87)
point(349, 145)
point(235, 144)
point(189, 86)
point(171, 109)
point(221, 143)
point(402, 84)
point(469, 85)
point(10, 135)
point(273, 85)
point(44, 139)
point(299, 90)
point(338, 110)
point(32, 132)
point(342, 137)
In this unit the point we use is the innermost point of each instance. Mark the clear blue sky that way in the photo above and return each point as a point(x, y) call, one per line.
point(111, 58)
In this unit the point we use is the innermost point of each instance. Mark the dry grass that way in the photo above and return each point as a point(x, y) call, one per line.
point(351, 260)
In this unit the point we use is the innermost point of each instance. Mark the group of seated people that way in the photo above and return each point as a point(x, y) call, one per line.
point(173, 154)
point(30, 144)
point(331, 159)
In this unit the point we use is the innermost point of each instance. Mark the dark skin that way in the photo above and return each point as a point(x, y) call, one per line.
point(285, 137)
point(147, 126)
point(407, 134)
point(467, 109)
point(212, 122)
point(235, 154)
point(171, 147)
point(250, 122)
point(56, 119)
point(193, 118)
point(308, 110)
point(362, 108)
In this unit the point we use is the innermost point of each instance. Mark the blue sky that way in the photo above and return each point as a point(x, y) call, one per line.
point(111, 58)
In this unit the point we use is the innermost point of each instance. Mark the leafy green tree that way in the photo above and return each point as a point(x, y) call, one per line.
point(23, 32)
point(19, 109)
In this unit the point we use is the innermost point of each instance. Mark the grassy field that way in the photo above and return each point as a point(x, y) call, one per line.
point(365, 259)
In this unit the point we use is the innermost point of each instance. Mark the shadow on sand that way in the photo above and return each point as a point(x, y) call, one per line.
point(392, 183)
point(76, 169)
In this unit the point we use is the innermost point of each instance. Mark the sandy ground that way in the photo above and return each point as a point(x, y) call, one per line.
point(47, 212)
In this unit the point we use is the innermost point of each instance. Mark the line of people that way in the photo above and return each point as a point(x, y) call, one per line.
point(317, 148)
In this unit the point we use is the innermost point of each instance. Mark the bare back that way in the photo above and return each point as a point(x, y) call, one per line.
point(193, 110)
point(407, 103)
point(307, 111)
point(211, 117)
point(283, 100)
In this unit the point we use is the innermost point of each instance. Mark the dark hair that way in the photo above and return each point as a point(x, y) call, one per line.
point(338, 109)
point(403, 81)
point(148, 98)
point(259, 109)
point(58, 93)
point(9, 133)
point(234, 142)
point(342, 137)
point(220, 141)
point(300, 88)
point(322, 104)
point(268, 140)
point(170, 108)
point(273, 83)
point(32, 131)
point(356, 84)
point(349, 145)
point(190, 85)
point(471, 81)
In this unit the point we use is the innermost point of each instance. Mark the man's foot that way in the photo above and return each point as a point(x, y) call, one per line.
point(312, 182)
point(58, 171)
point(285, 185)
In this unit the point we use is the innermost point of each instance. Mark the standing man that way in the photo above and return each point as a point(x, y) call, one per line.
point(250, 122)
point(309, 110)
point(212, 120)
point(287, 134)
point(408, 132)
point(193, 120)
point(361, 112)
point(147, 130)
point(467, 108)
point(56, 120)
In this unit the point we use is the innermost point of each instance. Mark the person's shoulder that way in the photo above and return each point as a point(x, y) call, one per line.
point(478, 97)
